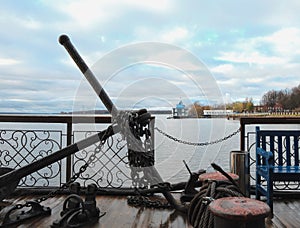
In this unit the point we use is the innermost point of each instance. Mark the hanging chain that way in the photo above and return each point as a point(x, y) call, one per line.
point(138, 200)
point(144, 201)
point(197, 143)
point(72, 179)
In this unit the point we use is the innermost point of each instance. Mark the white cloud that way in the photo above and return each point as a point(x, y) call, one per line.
point(176, 34)
point(250, 57)
point(223, 68)
point(88, 13)
point(8, 61)
point(278, 48)
point(286, 41)
point(154, 5)
point(30, 23)
point(250, 49)
point(254, 79)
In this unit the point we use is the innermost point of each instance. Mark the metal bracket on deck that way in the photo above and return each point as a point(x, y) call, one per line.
point(36, 210)
point(189, 190)
point(79, 213)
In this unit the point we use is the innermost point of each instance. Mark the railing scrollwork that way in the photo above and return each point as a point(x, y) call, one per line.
point(22, 147)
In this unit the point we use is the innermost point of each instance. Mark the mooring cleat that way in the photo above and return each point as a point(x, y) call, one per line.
point(79, 213)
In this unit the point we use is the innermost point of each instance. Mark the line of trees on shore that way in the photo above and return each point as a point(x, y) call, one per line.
point(286, 100)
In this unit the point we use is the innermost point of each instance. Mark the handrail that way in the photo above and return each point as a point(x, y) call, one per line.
point(55, 118)
point(263, 120)
point(66, 136)
point(68, 119)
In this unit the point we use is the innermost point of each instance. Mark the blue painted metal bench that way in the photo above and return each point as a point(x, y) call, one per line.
point(277, 159)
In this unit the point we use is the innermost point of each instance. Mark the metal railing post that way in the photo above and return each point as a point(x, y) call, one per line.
point(242, 135)
point(69, 158)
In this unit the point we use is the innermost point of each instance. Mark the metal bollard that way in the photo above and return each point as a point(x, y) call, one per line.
point(237, 212)
point(239, 164)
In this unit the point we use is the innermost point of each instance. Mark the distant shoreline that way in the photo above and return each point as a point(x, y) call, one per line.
point(89, 112)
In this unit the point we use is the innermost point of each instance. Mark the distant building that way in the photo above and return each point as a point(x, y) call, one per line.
point(180, 110)
point(217, 113)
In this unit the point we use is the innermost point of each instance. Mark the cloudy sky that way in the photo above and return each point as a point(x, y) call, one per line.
point(146, 53)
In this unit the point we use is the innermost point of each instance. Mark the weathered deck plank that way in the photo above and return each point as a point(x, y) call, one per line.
point(120, 214)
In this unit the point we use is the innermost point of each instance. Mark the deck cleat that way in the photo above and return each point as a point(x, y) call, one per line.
point(78, 212)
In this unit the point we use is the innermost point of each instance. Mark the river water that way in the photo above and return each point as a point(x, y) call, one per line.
point(170, 153)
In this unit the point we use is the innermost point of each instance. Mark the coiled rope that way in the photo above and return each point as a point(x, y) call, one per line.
point(198, 214)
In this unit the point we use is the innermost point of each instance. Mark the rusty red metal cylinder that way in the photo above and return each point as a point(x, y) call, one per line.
point(217, 176)
point(237, 212)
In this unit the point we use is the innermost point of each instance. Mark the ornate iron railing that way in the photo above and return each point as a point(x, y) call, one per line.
point(111, 166)
point(27, 138)
point(21, 147)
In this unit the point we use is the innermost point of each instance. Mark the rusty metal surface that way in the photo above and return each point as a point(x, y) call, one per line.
point(216, 176)
point(239, 208)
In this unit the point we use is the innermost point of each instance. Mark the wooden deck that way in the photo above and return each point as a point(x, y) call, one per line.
point(120, 214)
point(286, 214)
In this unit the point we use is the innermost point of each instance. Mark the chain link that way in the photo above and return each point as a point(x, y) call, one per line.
point(144, 201)
point(72, 179)
point(139, 200)
point(197, 143)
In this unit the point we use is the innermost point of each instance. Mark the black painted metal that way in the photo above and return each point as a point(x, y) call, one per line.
point(134, 143)
point(69, 142)
point(110, 168)
point(65, 118)
point(24, 146)
point(16, 175)
point(79, 213)
point(65, 41)
point(11, 219)
point(27, 142)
